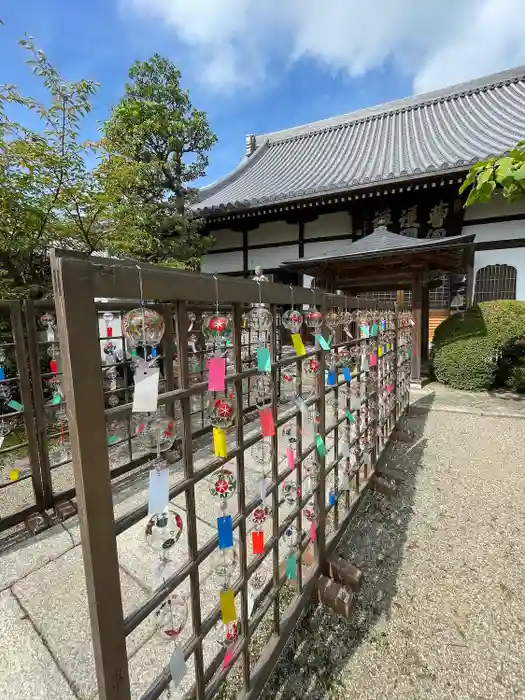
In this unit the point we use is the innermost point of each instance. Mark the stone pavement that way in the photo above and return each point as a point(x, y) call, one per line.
point(437, 397)
point(45, 637)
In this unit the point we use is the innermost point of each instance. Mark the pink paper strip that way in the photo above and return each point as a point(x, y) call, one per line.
point(313, 532)
point(217, 374)
point(373, 360)
point(389, 388)
point(290, 457)
point(267, 424)
point(227, 658)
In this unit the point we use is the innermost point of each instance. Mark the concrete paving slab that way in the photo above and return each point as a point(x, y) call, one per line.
point(32, 553)
point(55, 599)
point(28, 669)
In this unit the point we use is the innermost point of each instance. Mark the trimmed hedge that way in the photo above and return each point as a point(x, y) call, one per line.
point(467, 346)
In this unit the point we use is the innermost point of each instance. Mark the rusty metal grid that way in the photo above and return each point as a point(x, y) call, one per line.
point(76, 284)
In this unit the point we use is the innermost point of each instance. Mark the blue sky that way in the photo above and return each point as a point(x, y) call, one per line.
point(259, 67)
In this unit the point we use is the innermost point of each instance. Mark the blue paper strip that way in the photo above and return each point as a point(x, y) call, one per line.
point(347, 374)
point(332, 498)
point(384, 349)
point(2, 373)
point(332, 378)
point(264, 362)
point(225, 530)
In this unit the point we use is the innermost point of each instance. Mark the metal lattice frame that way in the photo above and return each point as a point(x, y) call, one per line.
point(495, 282)
point(76, 284)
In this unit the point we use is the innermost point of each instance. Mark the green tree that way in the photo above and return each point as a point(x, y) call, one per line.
point(503, 174)
point(48, 197)
point(157, 146)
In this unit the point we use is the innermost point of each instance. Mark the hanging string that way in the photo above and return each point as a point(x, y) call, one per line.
point(141, 300)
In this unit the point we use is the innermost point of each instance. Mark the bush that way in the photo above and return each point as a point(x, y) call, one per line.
point(469, 345)
point(516, 380)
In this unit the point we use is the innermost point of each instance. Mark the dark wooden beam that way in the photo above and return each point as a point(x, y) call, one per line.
point(417, 307)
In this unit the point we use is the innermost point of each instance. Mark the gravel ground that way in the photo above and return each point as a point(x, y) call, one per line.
point(441, 611)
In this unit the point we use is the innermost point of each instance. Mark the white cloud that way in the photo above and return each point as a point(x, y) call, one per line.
point(437, 43)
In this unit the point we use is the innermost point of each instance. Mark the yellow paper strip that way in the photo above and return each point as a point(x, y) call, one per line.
point(219, 442)
point(388, 347)
point(228, 606)
point(380, 351)
point(298, 344)
point(14, 475)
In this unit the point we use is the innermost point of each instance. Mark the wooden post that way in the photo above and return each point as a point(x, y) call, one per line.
point(400, 297)
point(425, 321)
point(417, 306)
point(469, 291)
point(77, 319)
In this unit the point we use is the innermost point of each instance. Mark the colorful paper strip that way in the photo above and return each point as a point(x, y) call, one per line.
point(219, 442)
point(320, 446)
point(257, 542)
point(290, 457)
point(264, 362)
point(228, 612)
point(291, 567)
point(350, 417)
point(225, 531)
point(347, 374)
point(158, 491)
point(323, 342)
point(313, 532)
point(298, 344)
point(267, 424)
point(15, 405)
point(332, 378)
point(217, 374)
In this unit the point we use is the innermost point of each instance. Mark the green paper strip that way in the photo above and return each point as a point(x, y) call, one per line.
point(264, 362)
point(350, 417)
point(375, 329)
point(56, 399)
point(16, 405)
point(112, 439)
point(323, 342)
point(291, 567)
point(321, 448)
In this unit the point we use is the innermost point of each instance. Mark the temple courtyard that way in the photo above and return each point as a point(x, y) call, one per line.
point(439, 615)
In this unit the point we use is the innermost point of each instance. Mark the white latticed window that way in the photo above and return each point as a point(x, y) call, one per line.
point(495, 282)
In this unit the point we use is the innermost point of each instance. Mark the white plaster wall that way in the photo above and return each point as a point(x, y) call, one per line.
point(496, 207)
point(273, 232)
point(507, 256)
point(222, 262)
point(497, 231)
point(269, 258)
point(336, 224)
point(226, 238)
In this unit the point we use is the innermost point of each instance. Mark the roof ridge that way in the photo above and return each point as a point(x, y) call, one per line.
point(400, 106)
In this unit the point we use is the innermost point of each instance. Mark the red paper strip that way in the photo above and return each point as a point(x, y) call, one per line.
point(373, 360)
point(313, 532)
point(53, 366)
point(267, 424)
point(389, 388)
point(110, 332)
point(290, 457)
point(257, 542)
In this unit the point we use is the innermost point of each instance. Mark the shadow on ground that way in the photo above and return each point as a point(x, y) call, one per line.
point(311, 666)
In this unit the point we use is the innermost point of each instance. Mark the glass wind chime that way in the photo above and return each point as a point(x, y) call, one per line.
point(61, 451)
point(143, 329)
point(260, 322)
point(217, 329)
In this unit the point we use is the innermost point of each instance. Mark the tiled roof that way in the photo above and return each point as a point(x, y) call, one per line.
point(440, 132)
point(382, 241)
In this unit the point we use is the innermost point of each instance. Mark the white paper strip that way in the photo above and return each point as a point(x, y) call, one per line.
point(146, 393)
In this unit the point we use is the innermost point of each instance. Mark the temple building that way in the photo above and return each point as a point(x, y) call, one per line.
point(315, 190)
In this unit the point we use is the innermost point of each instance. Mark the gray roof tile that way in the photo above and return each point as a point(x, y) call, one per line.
point(438, 132)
